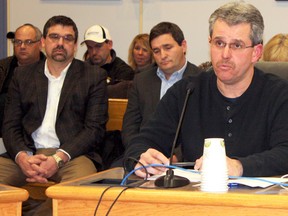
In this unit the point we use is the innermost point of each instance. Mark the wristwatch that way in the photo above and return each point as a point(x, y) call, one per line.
point(59, 161)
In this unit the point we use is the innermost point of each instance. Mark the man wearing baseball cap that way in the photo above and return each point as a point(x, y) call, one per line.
point(100, 52)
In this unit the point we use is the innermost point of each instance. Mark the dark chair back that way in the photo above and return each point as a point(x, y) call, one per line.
point(278, 68)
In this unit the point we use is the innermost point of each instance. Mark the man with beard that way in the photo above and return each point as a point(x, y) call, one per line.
point(55, 115)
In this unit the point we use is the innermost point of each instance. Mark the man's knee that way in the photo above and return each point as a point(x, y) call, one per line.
point(76, 168)
point(10, 173)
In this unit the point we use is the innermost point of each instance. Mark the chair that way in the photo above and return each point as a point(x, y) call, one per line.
point(112, 147)
point(116, 111)
point(278, 68)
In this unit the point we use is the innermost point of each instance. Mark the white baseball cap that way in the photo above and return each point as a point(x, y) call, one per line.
point(97, 33)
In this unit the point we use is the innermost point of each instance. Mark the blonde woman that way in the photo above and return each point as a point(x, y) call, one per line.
point(276, 48)
point(140, 53)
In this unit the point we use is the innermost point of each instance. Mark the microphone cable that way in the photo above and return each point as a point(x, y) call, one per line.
point(100, 199)
point(283, 185)
point(123, 183)
point(155, 165)
point(111, 206)
point(135, 162)
point(114, 201)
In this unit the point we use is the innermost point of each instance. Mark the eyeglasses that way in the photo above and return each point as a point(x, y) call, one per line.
point(18, 43)
point(57, 37)
point(236, 46)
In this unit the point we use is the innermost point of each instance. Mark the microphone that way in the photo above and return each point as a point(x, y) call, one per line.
point(170, 180)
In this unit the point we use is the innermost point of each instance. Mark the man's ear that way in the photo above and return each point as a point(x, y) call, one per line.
point(42, 42)
point(110, 43)
point(257, 53)
point(184, 46)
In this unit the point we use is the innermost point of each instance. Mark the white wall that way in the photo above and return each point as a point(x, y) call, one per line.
point(121, 17)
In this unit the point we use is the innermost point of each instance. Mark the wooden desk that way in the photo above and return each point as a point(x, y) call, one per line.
point(76, 198)
point(11, 200)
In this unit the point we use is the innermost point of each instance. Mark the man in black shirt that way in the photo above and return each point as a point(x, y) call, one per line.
point(100, 52)
point(234, 101)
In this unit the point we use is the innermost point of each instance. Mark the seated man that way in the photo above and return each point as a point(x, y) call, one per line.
point(169, 50)
point(55, 114)
point(27, 50)
point(100, 52)
point(234, 101)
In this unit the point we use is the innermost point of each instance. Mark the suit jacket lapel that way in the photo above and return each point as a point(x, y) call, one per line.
point(41, 87)
point(188, 70)
point(69, 82)
point(156, 89)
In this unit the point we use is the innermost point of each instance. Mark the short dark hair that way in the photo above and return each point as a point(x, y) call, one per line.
point(60, 20)
point(167, 28)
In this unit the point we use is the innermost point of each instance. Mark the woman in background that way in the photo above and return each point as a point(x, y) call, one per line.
point(140, 54)
point(276, 49)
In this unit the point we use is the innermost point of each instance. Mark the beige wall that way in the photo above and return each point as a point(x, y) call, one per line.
point(121, 17)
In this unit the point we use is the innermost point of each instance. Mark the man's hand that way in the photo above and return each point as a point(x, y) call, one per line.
point(151, 156)
point(198, 163)
point(45, 170)
point(234, 166)
point(27, 163)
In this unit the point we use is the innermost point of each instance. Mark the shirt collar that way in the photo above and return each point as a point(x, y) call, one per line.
point(51, 77)
point(175, 75)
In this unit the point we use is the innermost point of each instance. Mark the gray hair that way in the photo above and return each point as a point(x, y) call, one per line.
point(234, 13)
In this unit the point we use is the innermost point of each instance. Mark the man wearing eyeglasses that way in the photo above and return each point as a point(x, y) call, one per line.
point(27, 50)
point(55, 114)
point(234, 101)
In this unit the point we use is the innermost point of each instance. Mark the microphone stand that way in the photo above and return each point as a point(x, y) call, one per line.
point(170, 180)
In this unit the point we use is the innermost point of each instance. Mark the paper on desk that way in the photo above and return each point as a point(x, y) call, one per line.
point(262, 182)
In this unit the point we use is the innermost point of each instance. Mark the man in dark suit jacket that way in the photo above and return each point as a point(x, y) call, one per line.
point(143, 99)
point(169, 51)
point(55, 113)
point(26, 50)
